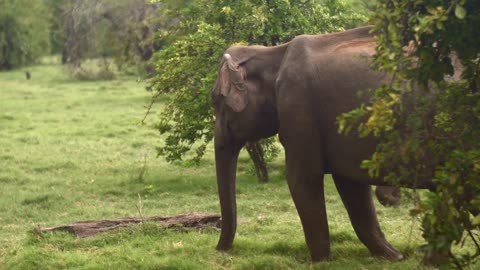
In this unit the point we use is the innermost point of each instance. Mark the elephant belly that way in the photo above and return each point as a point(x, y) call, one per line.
point(344, 155)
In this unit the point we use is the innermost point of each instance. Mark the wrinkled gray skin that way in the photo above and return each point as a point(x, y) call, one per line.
point(388, 196)
point(297, 90)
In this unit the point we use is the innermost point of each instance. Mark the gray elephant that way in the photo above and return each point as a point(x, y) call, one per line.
point(297, 90)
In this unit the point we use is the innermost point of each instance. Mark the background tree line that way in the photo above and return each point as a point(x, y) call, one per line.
point(122, 30)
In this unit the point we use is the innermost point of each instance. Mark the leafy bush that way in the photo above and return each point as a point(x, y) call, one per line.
point(119, 29)
point(101, 72)
point(187, 66)
point(436, 127)
point(24, 33)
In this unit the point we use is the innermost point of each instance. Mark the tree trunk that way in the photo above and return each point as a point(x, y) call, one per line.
point(255, 151)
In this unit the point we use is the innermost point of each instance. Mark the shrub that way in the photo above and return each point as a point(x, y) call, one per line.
point(24, 32)
point(187, 66)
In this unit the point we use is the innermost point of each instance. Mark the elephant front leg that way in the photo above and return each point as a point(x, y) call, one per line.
point(357, 198)
point(305, 181)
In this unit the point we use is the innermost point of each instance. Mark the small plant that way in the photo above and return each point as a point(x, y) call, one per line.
point(101, 73)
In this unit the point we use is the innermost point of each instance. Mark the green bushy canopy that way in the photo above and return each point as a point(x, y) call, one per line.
point(24, 32)
point(187, 67)
point(433, 131)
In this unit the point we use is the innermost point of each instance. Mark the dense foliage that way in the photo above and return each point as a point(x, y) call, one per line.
point(118, 29)
point(187, 67)
point(429, 116)
point(23, 34)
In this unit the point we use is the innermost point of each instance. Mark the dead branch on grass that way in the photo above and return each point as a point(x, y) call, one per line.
point(82, 229)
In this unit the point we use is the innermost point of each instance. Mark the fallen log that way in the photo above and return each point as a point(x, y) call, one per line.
point(82, 229)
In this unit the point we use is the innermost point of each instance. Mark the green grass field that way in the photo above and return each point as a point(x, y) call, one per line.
point(72, 151)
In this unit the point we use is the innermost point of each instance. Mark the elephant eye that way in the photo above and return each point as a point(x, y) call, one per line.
point(240, 86)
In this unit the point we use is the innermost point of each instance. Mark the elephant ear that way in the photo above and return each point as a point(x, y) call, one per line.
point(232, 81)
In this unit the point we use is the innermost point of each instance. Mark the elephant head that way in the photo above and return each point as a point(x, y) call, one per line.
point(245, 111)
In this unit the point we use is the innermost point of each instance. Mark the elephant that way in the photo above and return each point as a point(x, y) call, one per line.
point(297, 90)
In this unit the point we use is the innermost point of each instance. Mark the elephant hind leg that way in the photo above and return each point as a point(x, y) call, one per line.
point(358, 201)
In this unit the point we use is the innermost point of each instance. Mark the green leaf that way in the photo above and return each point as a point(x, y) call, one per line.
point(476, 220)
point(460, 12)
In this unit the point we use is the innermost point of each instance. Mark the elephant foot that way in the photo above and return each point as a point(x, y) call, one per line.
point(320, 256)
point(223, 248)
point(224, 245)
point(321, 259)
point(390, 254)
point(319, 252)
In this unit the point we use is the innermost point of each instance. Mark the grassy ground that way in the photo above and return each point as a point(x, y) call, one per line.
point(73, 151)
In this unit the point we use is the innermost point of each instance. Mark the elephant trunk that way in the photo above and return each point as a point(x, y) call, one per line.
point(226, 156)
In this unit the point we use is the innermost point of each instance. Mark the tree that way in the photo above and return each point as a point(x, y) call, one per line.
point(57, 38)
point(121, 29)
point(24, 35)
point(433, 119)
point(187, 66)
